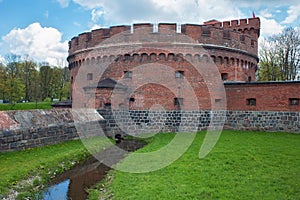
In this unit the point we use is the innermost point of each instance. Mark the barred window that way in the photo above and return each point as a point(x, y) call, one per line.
point(251, 102)
point(294, 101)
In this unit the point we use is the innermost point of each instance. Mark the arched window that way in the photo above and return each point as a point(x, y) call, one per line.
point(162, 56)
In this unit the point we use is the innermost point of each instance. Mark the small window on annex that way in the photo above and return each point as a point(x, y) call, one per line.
point(89, 76)
point(128, 74)
point(179, 74)
point(294, 101)
point(251, 102)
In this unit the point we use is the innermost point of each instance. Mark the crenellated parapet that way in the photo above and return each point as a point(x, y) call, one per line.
point(91, 39)
point(249, 26)
point(237, 34)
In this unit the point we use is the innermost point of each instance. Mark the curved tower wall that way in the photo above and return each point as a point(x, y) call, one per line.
point(231, 45)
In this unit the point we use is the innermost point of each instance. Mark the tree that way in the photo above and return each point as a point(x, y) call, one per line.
point(21, 79)
point(54, 81)
point(29, 76)
point(57, 83)
point(269, 70)
point(280, 56)
point(14, 85)
point(46, 76)
point(3, 83)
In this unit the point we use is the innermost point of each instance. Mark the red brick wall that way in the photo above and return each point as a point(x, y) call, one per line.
point(269, 96)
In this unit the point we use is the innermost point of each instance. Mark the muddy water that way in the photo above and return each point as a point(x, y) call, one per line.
point(72, 184)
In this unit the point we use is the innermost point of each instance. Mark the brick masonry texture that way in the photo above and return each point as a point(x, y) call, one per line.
point(229, 46)
point(269, 96)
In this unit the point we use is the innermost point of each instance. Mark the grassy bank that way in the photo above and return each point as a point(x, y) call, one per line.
point(26, 106)
point(39, 164)
point(243, 165)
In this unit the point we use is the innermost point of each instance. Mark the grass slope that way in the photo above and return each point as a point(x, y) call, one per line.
point(43, 161)
point(243, 165)
point(26, 106)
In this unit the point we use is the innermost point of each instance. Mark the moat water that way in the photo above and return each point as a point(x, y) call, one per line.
point(73, 184)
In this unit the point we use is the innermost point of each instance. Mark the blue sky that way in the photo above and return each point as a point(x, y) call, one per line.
point(41, 29)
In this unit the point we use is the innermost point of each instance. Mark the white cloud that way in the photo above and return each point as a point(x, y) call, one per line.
point(93, 26)
point(293, 14)
point(90, 4)
point(97, 14)
point(270, 26)
point(63, 3)
point(129, 11)
point(39, 43)
point(263, 3)
point(265, 13)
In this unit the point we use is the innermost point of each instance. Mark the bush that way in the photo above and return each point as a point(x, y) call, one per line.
point(47, 99)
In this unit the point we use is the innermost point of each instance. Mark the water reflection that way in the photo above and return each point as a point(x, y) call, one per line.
point(59, 191)
point(73, 184)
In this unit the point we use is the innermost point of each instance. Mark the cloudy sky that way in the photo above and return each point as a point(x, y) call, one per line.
point(41, 29)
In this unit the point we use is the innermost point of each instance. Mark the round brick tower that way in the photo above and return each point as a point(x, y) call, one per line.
point(231, 46)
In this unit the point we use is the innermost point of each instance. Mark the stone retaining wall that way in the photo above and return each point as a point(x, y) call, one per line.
point(27, 129)
point(264, 121)
point(138, 121)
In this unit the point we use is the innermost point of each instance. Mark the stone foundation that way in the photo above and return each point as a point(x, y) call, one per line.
point(138, 121)
point(28, 129)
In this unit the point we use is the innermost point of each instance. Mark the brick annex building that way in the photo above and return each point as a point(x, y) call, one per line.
point(231, 45)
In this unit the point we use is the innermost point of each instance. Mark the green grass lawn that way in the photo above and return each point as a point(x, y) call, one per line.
point(43, 161)
point(26, 106)
point(243, 165)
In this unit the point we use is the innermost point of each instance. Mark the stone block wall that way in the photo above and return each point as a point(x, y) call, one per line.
point(135, 122)
point(274, 121)
point(28, 129)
